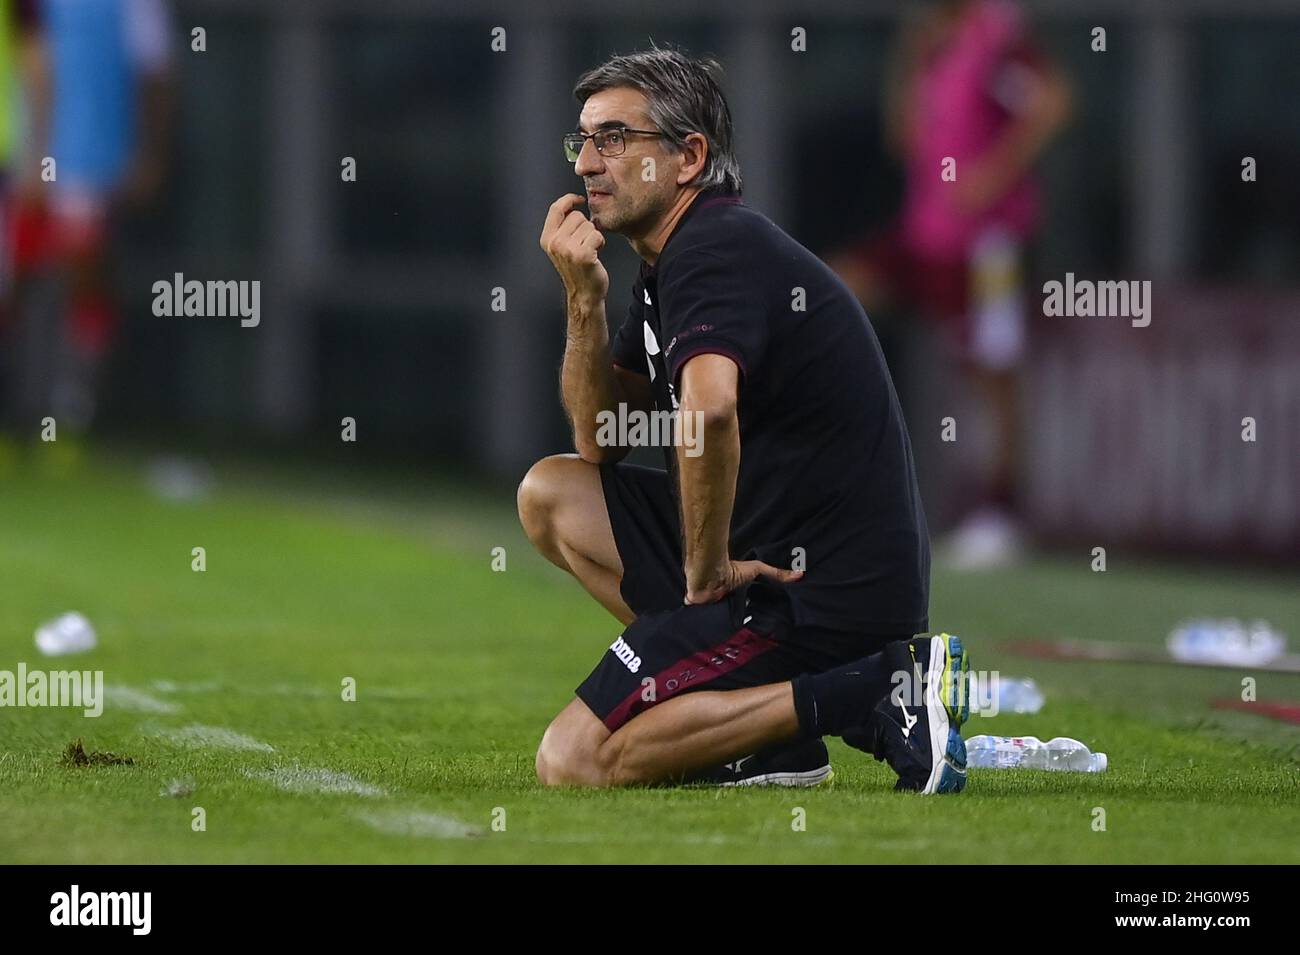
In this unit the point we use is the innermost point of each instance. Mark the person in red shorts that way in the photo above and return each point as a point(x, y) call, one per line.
point(110, 67)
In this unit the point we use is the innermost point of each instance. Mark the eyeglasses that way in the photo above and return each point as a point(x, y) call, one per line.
point(609, 142)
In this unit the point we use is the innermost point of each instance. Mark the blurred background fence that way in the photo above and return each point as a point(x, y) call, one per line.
point(377, 294)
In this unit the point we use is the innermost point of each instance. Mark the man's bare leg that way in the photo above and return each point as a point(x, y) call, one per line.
point(667, 742)
point(562, 509)
point(998, 388)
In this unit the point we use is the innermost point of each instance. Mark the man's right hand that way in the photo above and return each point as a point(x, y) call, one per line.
point(573, 244)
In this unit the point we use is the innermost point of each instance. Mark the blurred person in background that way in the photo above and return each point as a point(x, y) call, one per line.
point(971, 104)
point(24, 136)
point(110, 64)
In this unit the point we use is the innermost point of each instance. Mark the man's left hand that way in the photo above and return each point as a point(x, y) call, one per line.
point(733, 575)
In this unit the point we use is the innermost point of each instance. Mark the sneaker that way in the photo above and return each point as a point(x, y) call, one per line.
point(801, 764)
point(922, 741)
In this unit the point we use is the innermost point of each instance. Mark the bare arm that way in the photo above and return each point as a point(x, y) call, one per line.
point(708, 480)
point(899, 89)
point(34, 70)
point(589, 381)
point(148, 168)
point(710, 390)
point(1043, 107)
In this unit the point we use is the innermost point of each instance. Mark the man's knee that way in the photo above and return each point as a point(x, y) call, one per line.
point(539, 497)
point(573, 755)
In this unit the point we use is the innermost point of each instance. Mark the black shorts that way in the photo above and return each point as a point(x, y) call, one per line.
point(747, 639)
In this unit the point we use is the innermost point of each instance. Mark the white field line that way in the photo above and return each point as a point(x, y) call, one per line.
point(137, 701)
point(308, 779)
point(199, 736)
point(178, 788)
point(687, 839)
point(428, 825)
point(306, 691)
point(418, 824)
point(171, 686)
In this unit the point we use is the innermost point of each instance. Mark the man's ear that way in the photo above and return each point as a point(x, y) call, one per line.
point(695, 153)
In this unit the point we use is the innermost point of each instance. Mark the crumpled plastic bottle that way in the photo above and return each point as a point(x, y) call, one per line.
point(1060, 754)
point(69, 633)
point(1226, 642)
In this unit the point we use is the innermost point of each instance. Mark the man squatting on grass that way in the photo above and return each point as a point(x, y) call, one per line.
point(732, 668)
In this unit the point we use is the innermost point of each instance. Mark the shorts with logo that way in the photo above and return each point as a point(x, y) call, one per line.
point(747, 639)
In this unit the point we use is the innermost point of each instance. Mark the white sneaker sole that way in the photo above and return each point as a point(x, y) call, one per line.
point(805, 778)
point(948, 771)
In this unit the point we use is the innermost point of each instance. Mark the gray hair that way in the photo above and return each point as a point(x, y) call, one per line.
point(683, 96)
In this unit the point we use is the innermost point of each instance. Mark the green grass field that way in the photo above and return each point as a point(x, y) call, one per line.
point(226, 688)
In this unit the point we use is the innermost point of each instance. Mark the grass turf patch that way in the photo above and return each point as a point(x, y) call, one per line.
point(226, 688)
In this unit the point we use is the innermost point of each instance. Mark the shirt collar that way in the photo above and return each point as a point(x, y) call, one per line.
point(714, 195)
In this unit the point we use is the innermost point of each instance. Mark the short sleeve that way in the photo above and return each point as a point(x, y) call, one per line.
point(628, 346)
point(712, 302)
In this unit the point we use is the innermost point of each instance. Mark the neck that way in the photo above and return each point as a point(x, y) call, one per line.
point(649, 246)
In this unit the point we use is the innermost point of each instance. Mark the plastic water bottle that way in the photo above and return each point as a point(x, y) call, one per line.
point(70, 633)
point(1194, 640)
point(1019, 696)
point(1060, 754)
point(1226, 642)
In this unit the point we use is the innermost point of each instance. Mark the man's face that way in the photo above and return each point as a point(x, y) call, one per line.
point(625, 194)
